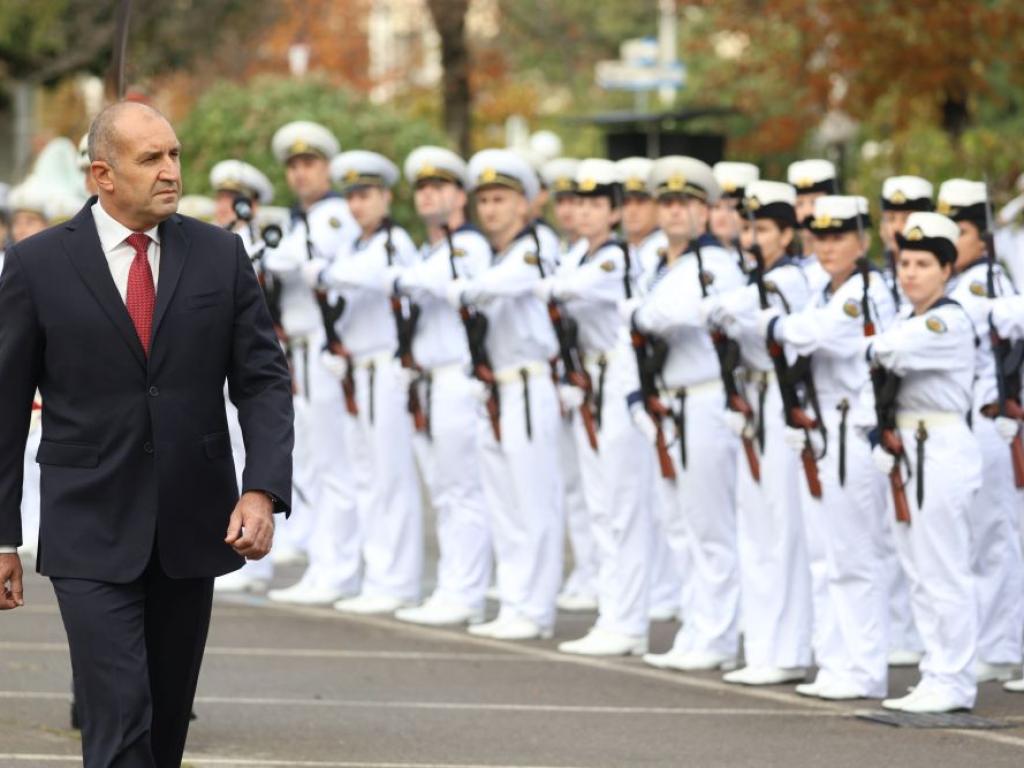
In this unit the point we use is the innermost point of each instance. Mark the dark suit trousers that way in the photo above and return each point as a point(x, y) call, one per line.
point(136, 650)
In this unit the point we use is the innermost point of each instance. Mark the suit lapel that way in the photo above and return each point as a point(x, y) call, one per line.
point(82, 244)
point(173, 252)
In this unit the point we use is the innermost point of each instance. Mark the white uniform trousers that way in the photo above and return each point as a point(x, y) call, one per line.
point(775, 587)
point(935, 550)
point(524, 499)
point(582, 580)
point(323, 478)
point(903, 634)
point(616, 482)
point(846, 528)
point(30, 490)
point(449, 461)
point(378, 444)
point(705, 496)
point(994, 520)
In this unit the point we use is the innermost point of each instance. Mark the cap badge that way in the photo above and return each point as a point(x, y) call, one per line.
point(898, 198)
point(915, 234)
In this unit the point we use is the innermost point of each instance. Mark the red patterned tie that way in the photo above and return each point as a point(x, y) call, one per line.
point(141, 297)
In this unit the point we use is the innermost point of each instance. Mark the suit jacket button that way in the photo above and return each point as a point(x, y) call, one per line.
point(154, 391)
point(148, 447)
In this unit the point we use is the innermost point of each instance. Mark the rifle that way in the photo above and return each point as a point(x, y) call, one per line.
point(789, 378)
point(330, 314)
point(1008, 358)
point(886, 386)
point(651, 352)
point(405, 326)
point(475, 324)
point(567, 332)
point(728, 352)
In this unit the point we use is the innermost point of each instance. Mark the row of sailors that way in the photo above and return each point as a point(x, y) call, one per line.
point(667, 516)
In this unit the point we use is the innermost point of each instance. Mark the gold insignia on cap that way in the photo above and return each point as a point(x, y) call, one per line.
point(935, 324)
point(531, 259)
point(426, 170)
point(729, 186)
point(753, 203)
point(852, 308)
point(300, 147)
point(978, 288)
point(608, 266)
point(335, 222)
point(804, 183)
point(824, 222)
point(898, 197)
point(676, 183)
point(351, 176)
point(915, 234)
point(563, 184)
point(636, 185)
point(944, 208)
point(588, 185)
point(488, 175)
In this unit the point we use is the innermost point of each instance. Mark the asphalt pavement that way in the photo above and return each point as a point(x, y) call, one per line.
point(286, 686)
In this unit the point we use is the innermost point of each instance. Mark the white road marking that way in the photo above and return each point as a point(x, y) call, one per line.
point(305, 653)
point(462, 706)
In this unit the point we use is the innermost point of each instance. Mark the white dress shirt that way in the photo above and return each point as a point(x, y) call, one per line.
point(119, 256)
point(119, 253)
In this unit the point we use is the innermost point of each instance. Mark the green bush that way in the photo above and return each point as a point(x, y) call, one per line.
point(233, 120)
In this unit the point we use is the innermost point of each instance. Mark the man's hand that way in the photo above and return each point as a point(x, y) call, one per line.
point(12, 593)
point(251, 528)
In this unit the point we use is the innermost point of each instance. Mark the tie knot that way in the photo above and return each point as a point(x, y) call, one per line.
point(139, 241)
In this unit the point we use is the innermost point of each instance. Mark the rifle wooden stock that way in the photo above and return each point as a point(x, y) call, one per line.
point(348, 381)
point(739, 404)
point(419, 418)
point(800, 419)
point(582, 380)
point(891, 442)
point(657, 412)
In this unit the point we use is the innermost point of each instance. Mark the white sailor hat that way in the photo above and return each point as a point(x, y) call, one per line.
point(809, 176)
point(559, 175)
point(241, 178)
point(503, 168)
point(83, 154)
point(636, 173)
point(734, 177)
point(435, 163)
point(30, 196)
point(834, 214)
point(933, 232)
point(597, 177)
point(197, 206)
point(963, 200)
point(362, 168)
point(680, 175)
point(303, 137)
point(771, 200)
point(907, 193)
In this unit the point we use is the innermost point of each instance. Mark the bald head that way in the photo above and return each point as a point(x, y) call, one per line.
point(106, 134)
point(136, 164)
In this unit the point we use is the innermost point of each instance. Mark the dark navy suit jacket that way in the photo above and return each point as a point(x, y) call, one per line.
point(135, 452)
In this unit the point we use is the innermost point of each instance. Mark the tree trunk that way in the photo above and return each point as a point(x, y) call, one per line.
point(450, 20)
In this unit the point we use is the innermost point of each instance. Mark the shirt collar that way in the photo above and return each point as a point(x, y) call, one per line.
point(112, 232)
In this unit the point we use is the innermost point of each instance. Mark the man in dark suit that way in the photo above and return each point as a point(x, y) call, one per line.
point(128, 319)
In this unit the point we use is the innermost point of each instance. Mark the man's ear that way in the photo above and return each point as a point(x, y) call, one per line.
point(102, 175)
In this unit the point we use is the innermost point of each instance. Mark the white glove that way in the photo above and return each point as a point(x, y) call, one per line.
point(736, 422)
point(1011, 210)
point(544, 289)
point(480, 391)
point(796, 439)
point(710, 311)
point(453, 293)
point(570, 396)
point(644, 423)
point(627, 307)
point(406, 377)
point(312, 271)
point(1007, 428)
point(36, 419)
point(334, 365)
point(764, 319)
point(884, 461)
